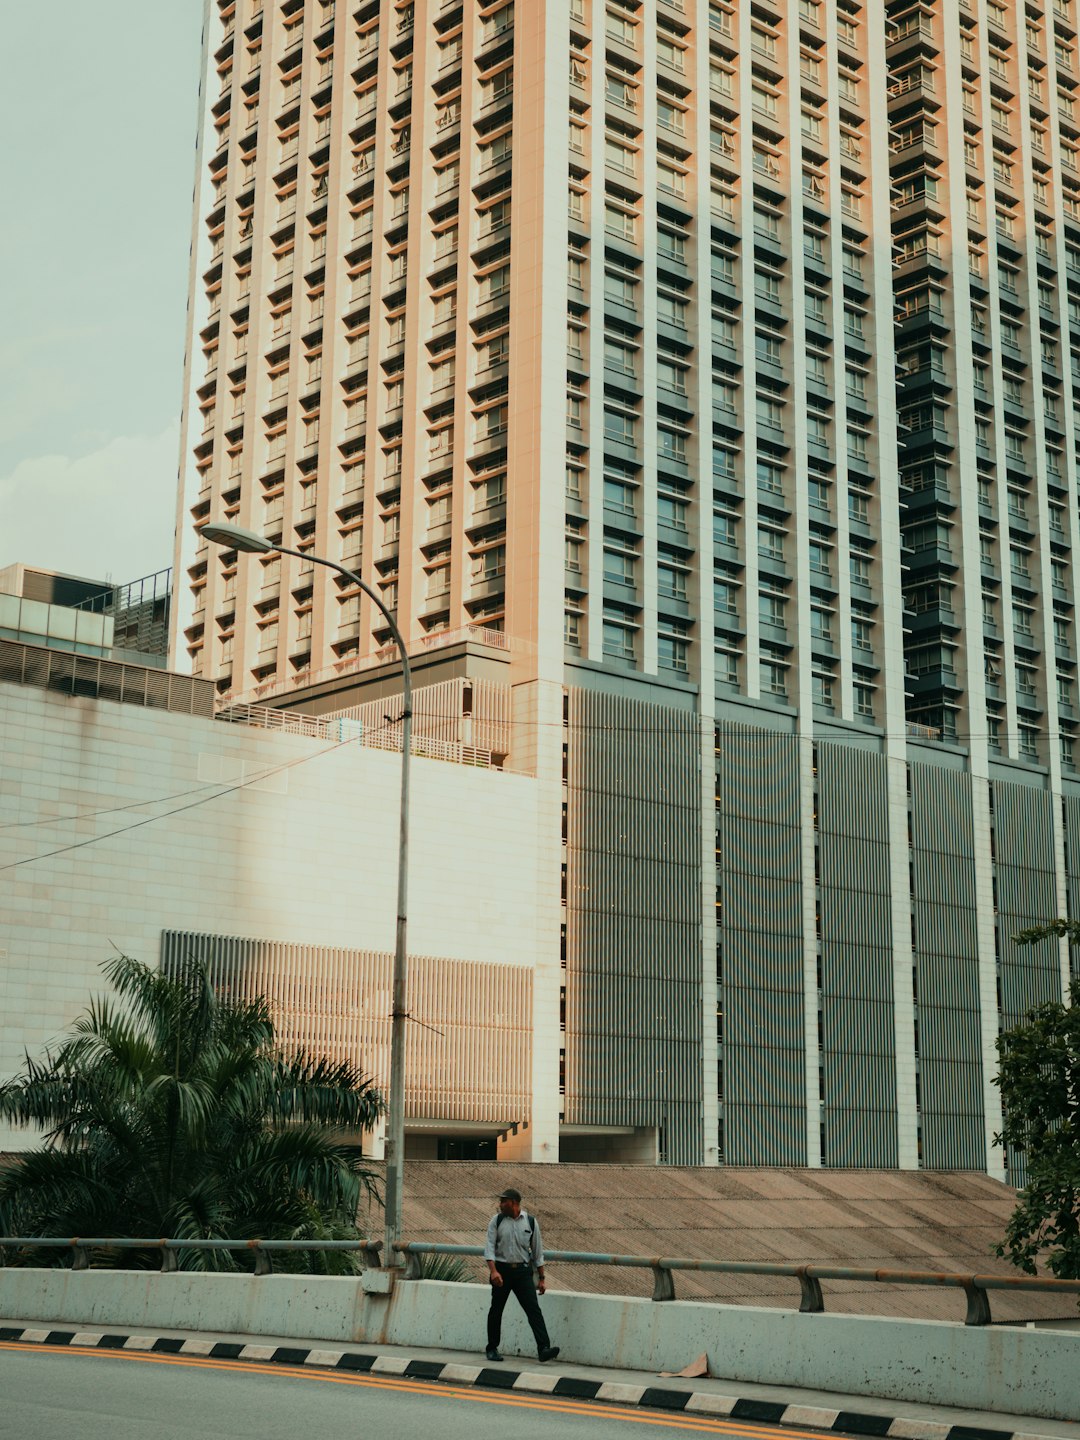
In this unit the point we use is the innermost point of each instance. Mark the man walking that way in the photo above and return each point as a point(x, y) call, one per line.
point(513, 1249)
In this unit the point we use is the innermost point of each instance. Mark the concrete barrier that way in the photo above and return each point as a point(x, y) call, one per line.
point(996, 1368)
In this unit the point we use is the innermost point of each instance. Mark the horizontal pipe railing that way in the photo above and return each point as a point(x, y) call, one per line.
point(81, 1246)
point(812, 1302)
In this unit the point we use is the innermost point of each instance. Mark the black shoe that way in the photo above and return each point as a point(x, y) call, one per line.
point(493, 1354)
point(549, 1352)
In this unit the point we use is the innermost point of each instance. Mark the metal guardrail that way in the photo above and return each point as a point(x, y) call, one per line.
point(811, 1299)
point(81, 1247)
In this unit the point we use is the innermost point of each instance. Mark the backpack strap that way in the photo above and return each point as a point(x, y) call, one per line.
point(500, 1217)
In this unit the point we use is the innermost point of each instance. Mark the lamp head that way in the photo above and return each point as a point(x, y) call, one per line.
point(235, 537)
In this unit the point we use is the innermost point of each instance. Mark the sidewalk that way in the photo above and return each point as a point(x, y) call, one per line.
point(771, 1404)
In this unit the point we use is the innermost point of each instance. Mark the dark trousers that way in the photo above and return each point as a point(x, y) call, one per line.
point(517, 1280)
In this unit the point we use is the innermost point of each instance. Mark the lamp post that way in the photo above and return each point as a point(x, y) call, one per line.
point(234, 537)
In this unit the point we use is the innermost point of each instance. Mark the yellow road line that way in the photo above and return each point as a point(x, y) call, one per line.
point(551, 1404)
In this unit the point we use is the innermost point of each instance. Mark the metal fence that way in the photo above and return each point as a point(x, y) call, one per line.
point(976, 1288)
point(99, 679)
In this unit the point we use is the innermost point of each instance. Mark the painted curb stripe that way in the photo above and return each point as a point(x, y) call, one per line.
point(424, 1369)
point(351, 1360)
point(496, 1379)
point(660, 1398)
point(576, 1388)
point(860, 1424)
point(977, 1432)
point(569, 1387)
point(769, 1412)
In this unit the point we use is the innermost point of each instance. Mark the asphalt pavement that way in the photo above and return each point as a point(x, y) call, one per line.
point(48, 1393)
point(47, 1390)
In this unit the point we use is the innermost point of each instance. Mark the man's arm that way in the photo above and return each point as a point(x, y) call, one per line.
point(489, 1250)
point(538, 1256)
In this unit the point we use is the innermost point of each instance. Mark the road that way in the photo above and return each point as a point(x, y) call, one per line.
point(48, 1394)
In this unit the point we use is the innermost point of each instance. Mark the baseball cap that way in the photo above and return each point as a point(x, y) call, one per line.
point(510, 1194)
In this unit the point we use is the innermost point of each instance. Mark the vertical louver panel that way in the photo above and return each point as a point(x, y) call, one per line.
point(633, 920)
point(858, 1046)
point(946, 956)
point(467, 1056)
point(761, 1025)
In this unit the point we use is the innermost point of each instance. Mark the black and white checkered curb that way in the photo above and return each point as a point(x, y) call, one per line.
point(543, 1382)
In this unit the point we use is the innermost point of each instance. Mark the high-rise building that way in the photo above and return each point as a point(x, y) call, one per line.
point(702, 371)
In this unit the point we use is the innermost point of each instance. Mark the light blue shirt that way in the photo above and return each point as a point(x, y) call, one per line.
point(509, 1241)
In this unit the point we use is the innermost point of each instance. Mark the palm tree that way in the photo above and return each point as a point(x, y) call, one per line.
point(174, 1113)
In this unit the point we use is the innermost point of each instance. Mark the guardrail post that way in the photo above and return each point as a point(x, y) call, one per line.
point(370, 1251)
point(169, 1264)
point(811, 1300)
point(413, 1265)
point(80, 1259)
point(663, 1282)
point(978, 1303)
point(263, 1263)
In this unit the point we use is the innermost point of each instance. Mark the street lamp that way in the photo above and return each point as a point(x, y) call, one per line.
point(234, 537)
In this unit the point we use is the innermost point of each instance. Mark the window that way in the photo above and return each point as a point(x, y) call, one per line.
point(725, 593)
point(620, 287)
point(773, 678)
point(671, 511)
point(670, 116)
point(489, 564)
point(620, 157)
point(770, 477)
point(501, 148)
point(618, 639)
point(495, 284)
point(770, 413)
point(767, 286)
point(619, 496)
point(820, 624)
point(770, 543)
point(668, 53)
point(771, 608)
point(619, 92)
point(671, 309)
point(670, 444)
point(725, 528)
point(619, 356)
point(858, 507)
point(673, 653)
point(670, 179)
point(622, 224)
point(671, 582)
point(621, 28)
point(767, 348)
point(823, 691)
point(620, 426)
point(671, 376)
point(670, 245)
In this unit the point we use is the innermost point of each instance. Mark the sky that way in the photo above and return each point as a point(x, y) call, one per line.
point(99, 111)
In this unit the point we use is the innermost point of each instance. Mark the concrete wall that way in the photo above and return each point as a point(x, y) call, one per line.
point(299, 848)
point(1019, 1371)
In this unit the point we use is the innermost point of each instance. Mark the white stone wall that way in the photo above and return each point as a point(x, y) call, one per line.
point(304, 852)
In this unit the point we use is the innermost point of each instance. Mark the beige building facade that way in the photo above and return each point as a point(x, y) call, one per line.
point(688, 369)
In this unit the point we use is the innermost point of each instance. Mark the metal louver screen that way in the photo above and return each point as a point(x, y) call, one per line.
point(467, 1058)
point(633, 919)
point(762, 1022)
